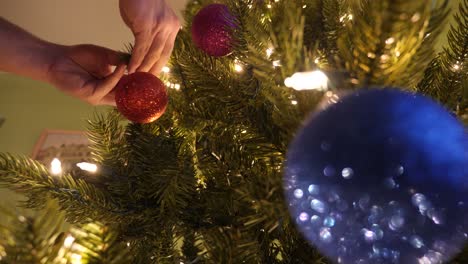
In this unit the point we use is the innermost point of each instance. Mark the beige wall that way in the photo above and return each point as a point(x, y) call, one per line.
point(73, 21)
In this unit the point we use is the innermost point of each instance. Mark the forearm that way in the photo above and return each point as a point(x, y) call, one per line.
point(24, 54)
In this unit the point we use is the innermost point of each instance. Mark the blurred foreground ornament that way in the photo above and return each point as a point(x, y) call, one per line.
point(212, 29)
point(381, 176)
point(313, 80)
point(141, 97)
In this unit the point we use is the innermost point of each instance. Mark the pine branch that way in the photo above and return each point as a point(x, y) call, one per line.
point(332, 12)
point(105, 134)
point(381, 39)
point(77, 197)
point(446, 78)
point(38, 239)
point(426, 52)
point(160, 164)
point(97, 243)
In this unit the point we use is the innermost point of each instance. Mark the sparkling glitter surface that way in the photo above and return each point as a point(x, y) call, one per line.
point(383, 175)
point(141, 97)
point(212, 30)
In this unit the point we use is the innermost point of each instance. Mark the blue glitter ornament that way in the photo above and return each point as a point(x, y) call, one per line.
point(381, 177)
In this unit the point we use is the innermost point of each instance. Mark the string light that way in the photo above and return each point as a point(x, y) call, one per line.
point(384, 58)
point(68, 241)
point(56, 166)
point(269, 51)
point(313, 80)
point(415, 18)
point(87, 166)
point(166, 69)
point(349, 16)
point(268, 6)
point(276, 63)
point(293, 102)
point(389, 41)
point(75, 258)
point(238, 67)
point(175, 86)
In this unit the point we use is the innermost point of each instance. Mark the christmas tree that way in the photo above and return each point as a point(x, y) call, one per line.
point(204, 182)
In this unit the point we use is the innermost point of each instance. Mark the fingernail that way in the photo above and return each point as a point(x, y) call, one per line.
point(113, 68)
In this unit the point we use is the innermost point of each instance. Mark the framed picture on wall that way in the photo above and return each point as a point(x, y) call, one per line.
point(70, 147)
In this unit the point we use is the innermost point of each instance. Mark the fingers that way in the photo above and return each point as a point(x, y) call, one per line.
point(105, 86)
point(109, 99)
point(154, 53)
point(142, 45)
point(165, 55)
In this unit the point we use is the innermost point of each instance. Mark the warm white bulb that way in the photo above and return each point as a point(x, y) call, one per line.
point(456, 66)
point(238, 67)
point(276, 63)
point(389, 41)
point(75, 258)
point(87, 166)
point(56, 166)
point(177, 86)
point(68, 241)
point(313, 80)
point(166, 69)
point(269, 51)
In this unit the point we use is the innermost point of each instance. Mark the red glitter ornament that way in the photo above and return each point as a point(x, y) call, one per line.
point(212, 29)
point(141, 97)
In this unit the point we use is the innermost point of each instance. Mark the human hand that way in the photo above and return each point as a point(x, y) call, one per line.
point(86, 72)
point(154, 25)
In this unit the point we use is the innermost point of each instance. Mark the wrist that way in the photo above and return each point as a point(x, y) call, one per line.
point(49, 53)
